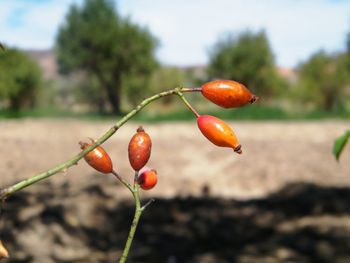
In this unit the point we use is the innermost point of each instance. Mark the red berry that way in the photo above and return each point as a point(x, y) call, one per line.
point(148, 179)
point(227, 93)
point(218, 132)
point(139, 149)
point(98, 158)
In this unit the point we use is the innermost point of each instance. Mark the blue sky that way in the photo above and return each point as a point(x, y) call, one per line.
point(187, 29)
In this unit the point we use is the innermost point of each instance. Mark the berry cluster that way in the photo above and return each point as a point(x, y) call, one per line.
point(139, 151)
point(225, 93)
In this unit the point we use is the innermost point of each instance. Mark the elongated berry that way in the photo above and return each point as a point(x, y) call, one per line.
point(98, 158)
point(3, 251)
point(147, 179)
point(139, 149)
point(227, 93)
point(218, 132)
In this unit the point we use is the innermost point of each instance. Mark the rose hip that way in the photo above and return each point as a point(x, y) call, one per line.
point(218, 132)
point(147, 179)
point(139, 149)
point(227, 93)
point(98, 158)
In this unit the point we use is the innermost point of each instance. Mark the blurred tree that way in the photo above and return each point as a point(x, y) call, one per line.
point(20, 79)
point(348, 43)
point(348, 50)
point(323, 80)
point(110, 49)
point(248, 59)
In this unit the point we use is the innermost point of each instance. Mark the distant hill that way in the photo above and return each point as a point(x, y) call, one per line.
point(46, 60)
point(48, 63)
point(288, 73)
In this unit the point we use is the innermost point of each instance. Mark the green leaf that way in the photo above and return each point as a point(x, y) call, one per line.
point(340, 143)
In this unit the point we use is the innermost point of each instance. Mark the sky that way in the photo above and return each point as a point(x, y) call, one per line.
point(188, 29)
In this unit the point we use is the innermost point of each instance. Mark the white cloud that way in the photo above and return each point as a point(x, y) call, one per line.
point(188, 28)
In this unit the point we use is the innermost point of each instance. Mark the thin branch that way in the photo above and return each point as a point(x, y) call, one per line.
point(125, 183)
point(135, 177)
point(182, 97)
point(147, 204)
point(135, 221)
point(6, 192)
point(195, 89)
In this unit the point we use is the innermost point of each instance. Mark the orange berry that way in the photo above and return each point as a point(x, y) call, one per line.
point(227, 93)
point(3, 251)
point(98, 158)
point(218, 132)
point(147, 179)
point(139, 149)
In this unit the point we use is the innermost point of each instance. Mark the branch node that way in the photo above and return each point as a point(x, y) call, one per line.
point(115, 128)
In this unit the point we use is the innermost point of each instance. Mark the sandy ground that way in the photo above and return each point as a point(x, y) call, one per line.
point(285, 199)
point(274, 154)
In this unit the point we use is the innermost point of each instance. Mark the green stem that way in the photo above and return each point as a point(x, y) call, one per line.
point(6, 192)
point(196, 89)
point(135, 221)
point(135, 177)
point(182, 97)
point(125, 183)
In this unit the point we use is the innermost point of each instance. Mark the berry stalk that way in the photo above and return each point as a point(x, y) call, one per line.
point(182, 97)
point(195, 89)
point(125, 183)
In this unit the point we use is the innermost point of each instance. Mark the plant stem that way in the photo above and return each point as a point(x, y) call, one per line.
point(135, 177)
point(6, 192)
point(182, 97)
point(196, 89)
point(135, 221)
point(125, 183)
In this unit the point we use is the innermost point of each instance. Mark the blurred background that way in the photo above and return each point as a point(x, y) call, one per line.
point(70, 69)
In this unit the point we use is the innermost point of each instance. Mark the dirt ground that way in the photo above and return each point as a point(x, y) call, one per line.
point(274, 154)
point(285, 199)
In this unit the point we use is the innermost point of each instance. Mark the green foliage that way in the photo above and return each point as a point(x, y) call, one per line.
point(110, 49)
point(348, 43)
point(340, 143)
point(246, 58)
point(323, 81)
point(20, 79)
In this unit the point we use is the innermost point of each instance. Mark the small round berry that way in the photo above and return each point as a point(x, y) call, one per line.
point(148, 179)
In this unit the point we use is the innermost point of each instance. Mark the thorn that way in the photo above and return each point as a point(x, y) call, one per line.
point(148, 203)
point(92, 140)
